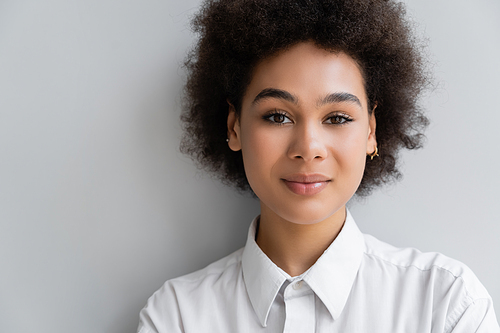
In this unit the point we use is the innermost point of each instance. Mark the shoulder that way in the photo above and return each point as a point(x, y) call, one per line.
point(433, 265)
point(166, 308)
point(427, 281)
point(221, 268)
point(224, 269)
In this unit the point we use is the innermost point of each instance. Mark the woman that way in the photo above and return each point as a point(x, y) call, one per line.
point(306, 103)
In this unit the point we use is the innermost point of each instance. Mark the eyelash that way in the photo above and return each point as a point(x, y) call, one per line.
point(341, 118)
point(274, 113)
point(344, 119)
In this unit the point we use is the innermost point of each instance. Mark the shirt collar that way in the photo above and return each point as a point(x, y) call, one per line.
point(331, 277)
point(263, 279)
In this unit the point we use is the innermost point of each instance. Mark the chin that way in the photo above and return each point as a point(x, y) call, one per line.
point(306, 215)
point(307, 221)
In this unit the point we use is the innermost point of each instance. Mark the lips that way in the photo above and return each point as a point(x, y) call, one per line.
point(303, 184)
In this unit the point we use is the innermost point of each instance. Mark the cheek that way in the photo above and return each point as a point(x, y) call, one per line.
point(350, 152)
point(261, 150)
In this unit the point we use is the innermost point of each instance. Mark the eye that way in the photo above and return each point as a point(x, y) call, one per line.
point(277, 117)
point(338, 119)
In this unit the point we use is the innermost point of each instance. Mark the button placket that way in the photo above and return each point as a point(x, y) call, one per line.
point(300, 308)
point(297, 285)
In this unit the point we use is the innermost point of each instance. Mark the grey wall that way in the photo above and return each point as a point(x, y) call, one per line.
point(98, 208)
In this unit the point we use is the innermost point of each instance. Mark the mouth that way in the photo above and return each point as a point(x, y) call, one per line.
point(302, 184)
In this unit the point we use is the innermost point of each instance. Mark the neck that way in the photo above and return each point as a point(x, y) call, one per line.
point(295, 247)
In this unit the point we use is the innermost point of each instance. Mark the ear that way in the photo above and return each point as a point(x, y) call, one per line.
point(372, 139)
point(233, 129)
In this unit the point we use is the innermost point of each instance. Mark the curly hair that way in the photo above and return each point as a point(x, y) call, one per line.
point(234, 35)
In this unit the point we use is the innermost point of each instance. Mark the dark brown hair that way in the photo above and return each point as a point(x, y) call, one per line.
point(234, 35)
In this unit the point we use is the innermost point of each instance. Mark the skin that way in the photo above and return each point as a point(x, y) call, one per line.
point(304, 131)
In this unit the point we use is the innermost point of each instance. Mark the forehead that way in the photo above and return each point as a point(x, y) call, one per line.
point(308, 72)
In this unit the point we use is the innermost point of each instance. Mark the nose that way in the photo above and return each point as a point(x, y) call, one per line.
point(308, 143)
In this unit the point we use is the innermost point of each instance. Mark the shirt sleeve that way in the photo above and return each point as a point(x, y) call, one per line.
point(479, 317)
point(161, 313)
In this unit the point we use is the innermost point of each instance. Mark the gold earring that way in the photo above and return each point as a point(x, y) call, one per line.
point(375, 153)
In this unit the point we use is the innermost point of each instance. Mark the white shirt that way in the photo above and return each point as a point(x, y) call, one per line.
point(359, 284)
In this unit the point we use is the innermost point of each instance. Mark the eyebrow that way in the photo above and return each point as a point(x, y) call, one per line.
point(339, 97)
point(332, 98)
point(275, 93)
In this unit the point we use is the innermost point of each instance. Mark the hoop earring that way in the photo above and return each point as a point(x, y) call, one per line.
point(374, 154)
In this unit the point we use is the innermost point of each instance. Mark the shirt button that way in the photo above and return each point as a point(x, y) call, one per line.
point(297, 285)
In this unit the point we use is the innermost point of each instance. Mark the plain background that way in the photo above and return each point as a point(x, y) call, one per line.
point(98, 208)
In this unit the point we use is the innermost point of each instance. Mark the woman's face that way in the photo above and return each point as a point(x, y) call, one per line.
point(304, 132)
